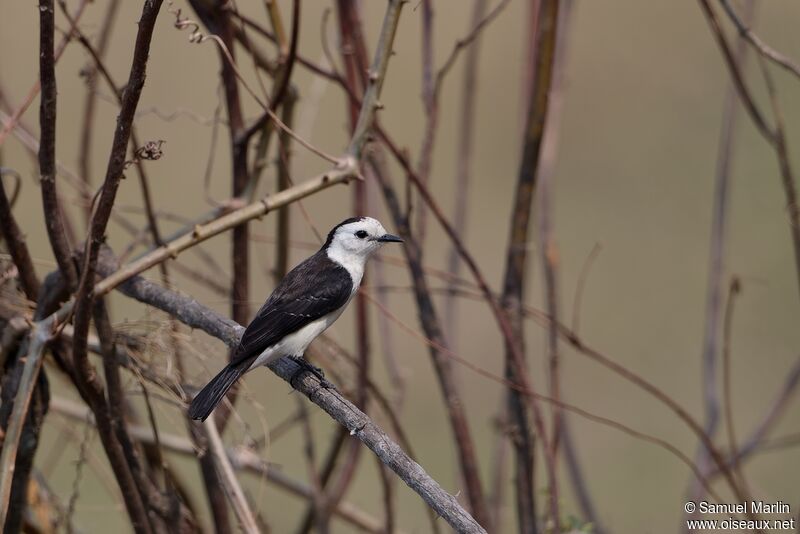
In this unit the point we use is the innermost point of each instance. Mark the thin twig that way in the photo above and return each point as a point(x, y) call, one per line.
point(47, 144)
point(727, 328)
point(15, 241)
point(196, 315)
point(90, 101)
point(36, 87)
point(716, 268)
point(375, 79)
point(430, 322)
point(743, 25)
point(543, 43)
point(466, 41)
point(736, 74)
point(466, 138)
point(241, 459)
point(39, 336)
point(787, 174)
point(230, 482)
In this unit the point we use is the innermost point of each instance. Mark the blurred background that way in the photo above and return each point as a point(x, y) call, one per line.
point(633, 180)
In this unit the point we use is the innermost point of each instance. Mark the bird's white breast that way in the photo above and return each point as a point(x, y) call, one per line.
point(353, 263)
point(296, 343)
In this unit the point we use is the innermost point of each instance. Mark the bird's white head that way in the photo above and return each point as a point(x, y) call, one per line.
point(354, 240)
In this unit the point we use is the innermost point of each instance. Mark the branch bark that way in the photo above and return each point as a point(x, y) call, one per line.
point(542, 55)
point(47, 143)
point(195, 315)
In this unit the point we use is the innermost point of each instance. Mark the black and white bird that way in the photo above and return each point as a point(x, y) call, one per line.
point(306, 302)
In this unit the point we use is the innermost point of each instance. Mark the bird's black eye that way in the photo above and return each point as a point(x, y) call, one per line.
point(361, 234)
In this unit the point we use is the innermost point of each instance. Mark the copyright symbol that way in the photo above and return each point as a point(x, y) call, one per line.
point(689, 507)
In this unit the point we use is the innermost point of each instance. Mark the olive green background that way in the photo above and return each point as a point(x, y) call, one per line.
point(634, 174)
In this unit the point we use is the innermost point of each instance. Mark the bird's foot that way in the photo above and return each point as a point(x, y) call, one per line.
point(306, 366)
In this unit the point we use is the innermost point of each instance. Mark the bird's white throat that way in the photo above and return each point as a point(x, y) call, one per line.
point(353, 262)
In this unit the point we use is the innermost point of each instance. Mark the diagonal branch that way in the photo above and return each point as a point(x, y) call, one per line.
point(195, 315)
point(770, 53)
point(15, 240)
point(736, 74)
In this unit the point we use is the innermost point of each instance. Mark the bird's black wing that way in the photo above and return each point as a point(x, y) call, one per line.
point(311, 290)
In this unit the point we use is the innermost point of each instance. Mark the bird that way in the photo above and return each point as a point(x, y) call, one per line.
point(303, 304)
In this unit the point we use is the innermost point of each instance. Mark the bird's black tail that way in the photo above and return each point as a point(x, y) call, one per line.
point(204, 402)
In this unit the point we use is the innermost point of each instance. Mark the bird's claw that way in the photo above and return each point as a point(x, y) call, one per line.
point(306, 366)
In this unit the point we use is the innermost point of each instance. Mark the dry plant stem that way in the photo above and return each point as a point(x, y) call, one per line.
point(477, 28)
point(317, 498)
point(385, 331)
point(572, 339)
point(33, 363)
point(389, 409)
point(513, 295)
point(90, 103)
point(345, 167)
point(787, 175)
point(221, 224)
point(34, 90)
point(733, 292)
point(116, 167)
point(442, 365)
point(756, 439)
point(743, 26)
point(466, 137)
point(86, 379)
point(375, 78)
point(497, 311)
point(284, 182)
point(47, 144)
point(576, 343)
point(335, 482)
point(228, 477)
point(195, 315)
point(562, 437)
point(716, 269)
point(499, 470)
point(240, 458)
point(544, 206)
point(665, 399)
point(282, 75)
point(174, 513)
point(31, 144)
point(736, 73)
point(430, 106)
point(15, 241)
point(302, 60)
point(218, 21)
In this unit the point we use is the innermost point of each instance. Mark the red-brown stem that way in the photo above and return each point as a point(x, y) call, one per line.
point(442, 365)
point(15, 241)
point(466, 137)
point(431, 108)
point(87, 125)
point(716, 269)
point(87, 381)
point(727, 328)
point(736, 74)
point(47, 144)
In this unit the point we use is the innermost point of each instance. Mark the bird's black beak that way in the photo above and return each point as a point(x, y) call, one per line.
point(389, 238)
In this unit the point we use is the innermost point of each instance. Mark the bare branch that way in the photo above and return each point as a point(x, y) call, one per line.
point(47, 144)
point(769, 53)
point(736, 73)
point(230, 483)
point(196, 315)
point(10, 231)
